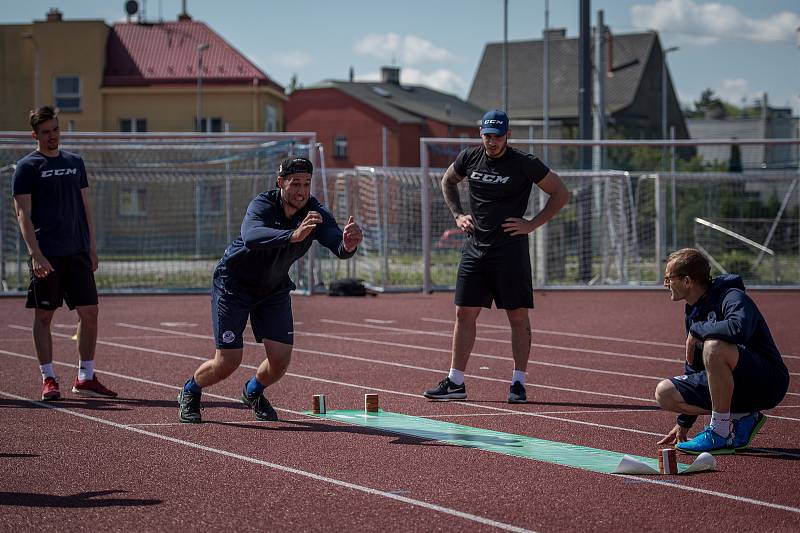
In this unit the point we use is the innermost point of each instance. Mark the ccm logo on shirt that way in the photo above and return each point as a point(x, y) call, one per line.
point(489, 178)
point(59, 172)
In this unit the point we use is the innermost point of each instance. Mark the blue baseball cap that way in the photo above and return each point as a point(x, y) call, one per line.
point(494, 122)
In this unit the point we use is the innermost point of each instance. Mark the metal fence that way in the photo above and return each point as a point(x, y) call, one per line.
point(165, 208)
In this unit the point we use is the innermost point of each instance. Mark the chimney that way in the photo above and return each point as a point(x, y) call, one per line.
point(352, 74)
point(390, 75)
point(183, 14)
point(54, 15)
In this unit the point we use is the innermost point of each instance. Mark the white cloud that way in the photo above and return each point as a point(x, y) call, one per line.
point(708, 23)
point(293, 59)
point(737, 91)
point(439, 79)
point(408, 49)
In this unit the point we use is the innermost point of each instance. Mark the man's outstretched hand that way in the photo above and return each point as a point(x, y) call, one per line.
point(352, 235)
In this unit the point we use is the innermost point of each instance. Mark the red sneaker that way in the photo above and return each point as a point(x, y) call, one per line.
point(92, 387)
point(50, 390)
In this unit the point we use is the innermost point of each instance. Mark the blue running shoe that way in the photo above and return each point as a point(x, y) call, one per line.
point(707, 441)
point(746, 428)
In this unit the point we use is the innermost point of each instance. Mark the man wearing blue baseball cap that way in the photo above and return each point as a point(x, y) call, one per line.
point(495, 262)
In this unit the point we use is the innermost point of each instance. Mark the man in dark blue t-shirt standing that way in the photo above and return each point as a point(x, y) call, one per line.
point(252, 281)
point(495, 262)
point(50, 190)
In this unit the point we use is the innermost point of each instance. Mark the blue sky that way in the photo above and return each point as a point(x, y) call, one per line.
point(738, 48)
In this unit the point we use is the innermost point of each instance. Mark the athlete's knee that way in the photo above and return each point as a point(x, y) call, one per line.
point(227, 361)
point(666, 395)
point(87, 314)
point(467, 315)
point(43, 317)
point(717, 351)
point(279, 358)
point(518, 318)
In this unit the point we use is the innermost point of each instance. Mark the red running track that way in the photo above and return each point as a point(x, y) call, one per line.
point(128, 465)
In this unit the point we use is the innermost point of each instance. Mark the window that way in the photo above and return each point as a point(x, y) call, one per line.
point(340, 147)
point(133, 125)
point(211, 198)
point(270, 118)
point(132, 202)
point(214, 123)
point(67, 93)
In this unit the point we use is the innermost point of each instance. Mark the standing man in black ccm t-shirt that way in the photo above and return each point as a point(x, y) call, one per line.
point(495, 262)
point(50, 191)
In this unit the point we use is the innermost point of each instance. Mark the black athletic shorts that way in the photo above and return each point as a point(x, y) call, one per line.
point(758, 384)
point(501, 274)
point(71, 281)
point(231, 305)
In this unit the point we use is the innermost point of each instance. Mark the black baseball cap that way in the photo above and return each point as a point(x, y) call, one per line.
point(295, 165)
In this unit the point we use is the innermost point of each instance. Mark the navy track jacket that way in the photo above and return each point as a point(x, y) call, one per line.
point(726, 313)
point(258, 260)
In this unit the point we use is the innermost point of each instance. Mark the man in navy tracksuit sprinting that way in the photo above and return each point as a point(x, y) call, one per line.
point(733, 368)
point(252, 280)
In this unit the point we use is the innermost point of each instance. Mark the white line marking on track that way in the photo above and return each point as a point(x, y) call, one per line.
point(581, 335)
point(425, 369)
point(281, 468)
point(505, 341)
point(531, 361)
point(347, 484)
point(373, 361)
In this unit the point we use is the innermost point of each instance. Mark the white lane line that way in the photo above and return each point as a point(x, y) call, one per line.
point(563, 333)
point(600, 352)
point(425, 369)
point(371, 388)
point(280, 468)
point(374, 361)
point(505, 341)
point(388, 363)
point(366, 387)
point(346, 484)
point(476, 354)
point(580, 335)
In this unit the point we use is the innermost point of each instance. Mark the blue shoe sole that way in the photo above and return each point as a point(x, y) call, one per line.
point(753, 433)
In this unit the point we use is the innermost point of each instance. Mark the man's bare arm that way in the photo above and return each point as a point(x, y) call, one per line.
point(22, 205)
point(90, 222)
point(450, 182)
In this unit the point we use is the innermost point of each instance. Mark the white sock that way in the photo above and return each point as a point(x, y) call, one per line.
point(456, 376)
point(721, 423)
point(519, 375)
point(85, 370)
point(737, 416)
point(47, 371)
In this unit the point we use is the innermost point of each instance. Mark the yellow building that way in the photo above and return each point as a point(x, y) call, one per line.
point(133, 77)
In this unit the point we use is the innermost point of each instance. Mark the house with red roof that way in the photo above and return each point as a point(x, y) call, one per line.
point(379, 123)
point(134, 77)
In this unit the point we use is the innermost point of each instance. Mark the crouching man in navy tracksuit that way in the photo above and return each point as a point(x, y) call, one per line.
point(252, 280)
point(733, 368)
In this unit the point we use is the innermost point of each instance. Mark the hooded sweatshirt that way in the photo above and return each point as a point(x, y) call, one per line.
point(726, 313)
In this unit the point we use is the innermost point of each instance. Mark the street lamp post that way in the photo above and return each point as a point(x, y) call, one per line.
point(664, 133)
point(200, 49)
point(664, 127)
